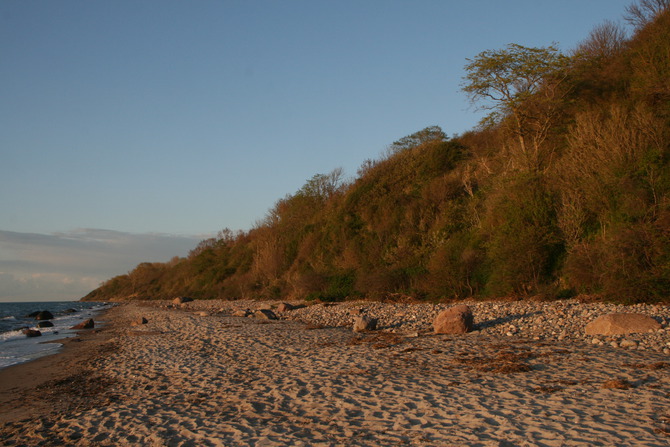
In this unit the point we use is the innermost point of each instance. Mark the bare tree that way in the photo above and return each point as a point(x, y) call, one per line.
point(644, 11)
point(605, 40)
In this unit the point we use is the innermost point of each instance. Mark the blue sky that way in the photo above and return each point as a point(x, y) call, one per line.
point(172, 119)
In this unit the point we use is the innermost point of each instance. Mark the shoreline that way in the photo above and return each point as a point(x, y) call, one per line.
point(195, 375)
point(17, 348)
point(20, 383)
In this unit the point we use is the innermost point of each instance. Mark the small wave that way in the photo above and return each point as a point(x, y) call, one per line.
point(9, 318)
point(11, 335)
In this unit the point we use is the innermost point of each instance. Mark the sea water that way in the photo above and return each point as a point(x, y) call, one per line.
point(15, 347)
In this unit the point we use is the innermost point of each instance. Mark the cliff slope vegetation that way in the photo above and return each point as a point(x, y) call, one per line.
point(563, 189)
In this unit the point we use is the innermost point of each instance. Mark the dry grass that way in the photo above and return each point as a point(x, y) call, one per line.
point(378, 340)
point(507, 359)
point(507, 365)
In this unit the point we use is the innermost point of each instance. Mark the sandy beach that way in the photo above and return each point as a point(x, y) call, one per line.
point(198, 376)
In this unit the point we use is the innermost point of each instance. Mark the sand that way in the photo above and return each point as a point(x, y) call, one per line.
point(186, 379)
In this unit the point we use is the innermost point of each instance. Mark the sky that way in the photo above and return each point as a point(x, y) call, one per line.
point(132, 129)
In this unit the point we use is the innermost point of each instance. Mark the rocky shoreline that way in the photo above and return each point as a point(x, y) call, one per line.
point(548, 321)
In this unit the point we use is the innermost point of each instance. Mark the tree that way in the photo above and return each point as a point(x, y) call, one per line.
point(323, 186)
point(521, 85)
point(606, 40)
point(645, 11)
point(432, 133)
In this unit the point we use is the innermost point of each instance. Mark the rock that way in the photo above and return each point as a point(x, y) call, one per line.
point(285, 307)
point(241, 313)
point(203, 314)
point(31, 333)
point(265, 314)
point(182, 300)
point(363, 323)
point(44, 315)
point(86, 324)
point(45, 324)
point(621, 323)
point(455, 320)
point(628, 344)
point(139, 322)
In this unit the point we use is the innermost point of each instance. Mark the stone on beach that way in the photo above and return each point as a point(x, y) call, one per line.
point(455, 320)
point(265, 314)
point(139, 322)
point(363, 323)
point(86, 324)
point(45, 324)
point(621, 323)
point(31, 333)
point(182, 300)
point(284, 307)
point(44, 315)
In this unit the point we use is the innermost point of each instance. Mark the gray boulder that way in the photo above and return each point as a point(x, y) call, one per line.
point(363, 323)
point(621, 323)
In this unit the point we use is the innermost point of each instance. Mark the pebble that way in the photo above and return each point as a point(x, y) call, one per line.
point(551, 321)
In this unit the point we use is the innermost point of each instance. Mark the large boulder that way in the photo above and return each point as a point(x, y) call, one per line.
point(363, 323)
point(621, 323)
point(86, 324)
point(455, 320)
point(45, 324)
point(31, 333)
point(44, 315)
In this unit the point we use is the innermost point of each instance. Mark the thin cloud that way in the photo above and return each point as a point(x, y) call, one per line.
point(63, 266)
